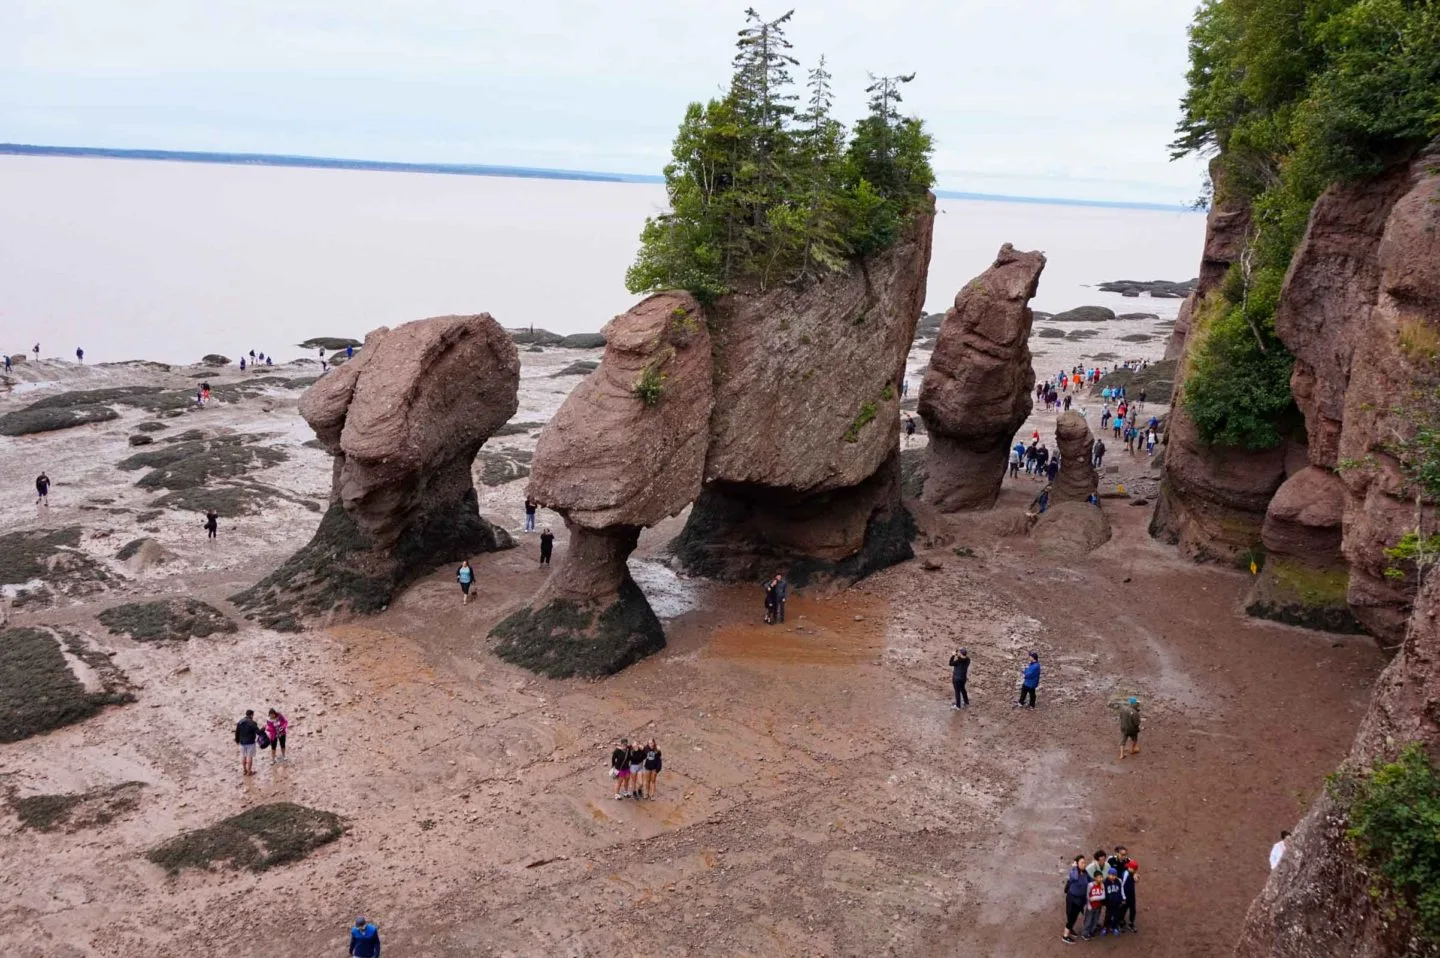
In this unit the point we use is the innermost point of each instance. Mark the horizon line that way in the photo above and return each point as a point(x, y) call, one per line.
point(301, 161)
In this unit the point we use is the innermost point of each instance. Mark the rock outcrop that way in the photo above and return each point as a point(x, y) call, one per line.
point(1071, 529)
point(977, 389)
point(626, 449)
point(1226, 226)
point(802, 469)
point(1077, 479)
point(403, 421)
point(1319, 901)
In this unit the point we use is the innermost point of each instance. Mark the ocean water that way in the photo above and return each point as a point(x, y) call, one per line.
point(135, 259)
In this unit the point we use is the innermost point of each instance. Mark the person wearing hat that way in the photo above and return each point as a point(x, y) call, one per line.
point(1130, 727)
point(959, 672)
point(1029, 681)
point(364, 939)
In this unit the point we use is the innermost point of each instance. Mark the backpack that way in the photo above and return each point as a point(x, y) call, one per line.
point(262, 740)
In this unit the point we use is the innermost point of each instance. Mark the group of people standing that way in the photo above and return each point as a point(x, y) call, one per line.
point(1103, 890)
point(636, 768)
point(960, 675)
point(252, 738)
point(777, 590)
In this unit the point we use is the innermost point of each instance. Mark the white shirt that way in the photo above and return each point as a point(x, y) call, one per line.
point(1277, 851)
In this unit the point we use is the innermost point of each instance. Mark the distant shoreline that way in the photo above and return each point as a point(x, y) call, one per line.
point(464, 169)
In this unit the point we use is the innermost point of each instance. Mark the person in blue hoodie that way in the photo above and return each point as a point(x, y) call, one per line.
point(364, 939)
point(1029, 681)
point(1077, 883)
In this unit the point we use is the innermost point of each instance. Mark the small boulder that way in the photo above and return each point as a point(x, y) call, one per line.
point(583, 341)
point(1084, 314)
point(1071, 529)
point(141, 439)
point(214, 359)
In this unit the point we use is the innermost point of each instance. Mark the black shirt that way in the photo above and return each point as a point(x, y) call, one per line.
point(618, 758)
point(652, 759)
point(637, 756)
point(246, 731)
point(547, 541)
point(961, 666)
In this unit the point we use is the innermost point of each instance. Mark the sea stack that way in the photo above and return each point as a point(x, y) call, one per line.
point(403, 421)
point(977, 390)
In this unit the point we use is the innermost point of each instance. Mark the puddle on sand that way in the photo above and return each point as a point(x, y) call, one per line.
point(842, 630)
point(668, 594)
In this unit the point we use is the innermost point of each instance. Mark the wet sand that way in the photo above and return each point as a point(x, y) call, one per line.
point(819, 795)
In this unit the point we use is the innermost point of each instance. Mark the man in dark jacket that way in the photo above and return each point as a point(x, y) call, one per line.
point(247, 730)
point(782, 590)
point(1076, 883)
point(364, 939)
point(1127, 890)
point(959, 672)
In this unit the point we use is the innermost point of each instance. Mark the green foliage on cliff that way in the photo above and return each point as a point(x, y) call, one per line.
point(1394, 813)
point(764, 190)
point(1294, 95)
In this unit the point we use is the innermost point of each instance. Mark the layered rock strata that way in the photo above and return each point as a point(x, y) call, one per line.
point(977, 390)
point(1077, 480)
point(626, 449)
point(403, 422)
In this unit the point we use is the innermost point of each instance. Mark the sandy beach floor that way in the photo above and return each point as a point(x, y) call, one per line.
point(819, 796)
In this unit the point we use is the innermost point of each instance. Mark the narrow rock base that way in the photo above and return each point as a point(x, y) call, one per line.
point(564, 637)
point(340, 571)
point(1297, 593)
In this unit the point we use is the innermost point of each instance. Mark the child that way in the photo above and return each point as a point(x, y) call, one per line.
point(1114, 902)
point(1094, 901)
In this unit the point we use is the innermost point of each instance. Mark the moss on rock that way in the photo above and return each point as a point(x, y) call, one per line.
point(257, 839)
point(1297, 593)
point(563, 638)
point(39, 692)
point(167, 620)
point(78, 810)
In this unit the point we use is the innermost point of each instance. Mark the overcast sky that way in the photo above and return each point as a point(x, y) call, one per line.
point(1042, 98)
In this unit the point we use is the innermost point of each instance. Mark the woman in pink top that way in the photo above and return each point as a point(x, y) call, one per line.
point(275, 726)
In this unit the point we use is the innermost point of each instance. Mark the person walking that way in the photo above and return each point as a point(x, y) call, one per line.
point(466, 577)
point(653, 765)
point(1130, 727)
point(349, 352)
point(212, 524)
point(1094, 906)
point(959, 672)
point(1029, 681)
point(1076, 883)
point(530, 508)
point(1277, 850)
point(1015, 455)
point(547, 545)
point(909, 428)
point(275, 728)
point(36, 350)
point(42, 489)
point(1099, 448)
point(80, 355)
point(364, 939)
point(247, 730)
point(782, 592)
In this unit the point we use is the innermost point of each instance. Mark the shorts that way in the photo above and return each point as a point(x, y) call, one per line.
point(636, 769)
point(465, 587)
point(623, 772)
point(247, 751)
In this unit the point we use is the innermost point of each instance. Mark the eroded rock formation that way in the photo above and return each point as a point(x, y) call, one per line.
point(977, 390)
point(403, 421)
point(1077, 479)
point(1226, 226)
point(626, 449)
point(1318, 901)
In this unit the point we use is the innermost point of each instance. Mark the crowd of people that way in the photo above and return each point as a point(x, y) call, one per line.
point(636, 768)
point(1103, 891)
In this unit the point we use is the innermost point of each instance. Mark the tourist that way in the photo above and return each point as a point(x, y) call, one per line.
point(909, 428)
point(199, 398)
point(1105, 416)
point(959, 672)
point(42, 489)
point(1117, 861)
point(242, 364)
point(275, 727)
point(620, 768)
point(1096, 868)
point(1141, 399)
point(1127, 893)
point(252, 357)
point(1040, 503)
point(349, 352)
point(1015, 455)
point(530, 508)
point(1114, 901)
point(212, 523)
point(465, 576)
point(1130, 727)
point(782, 592)
point(36, 350)
point(246, 732)
point(1094, 904)
point(1150, 443)
point(653, 766)
point(1099, 450)
point(322, 355)
point(80, 355)
point(547, 545)
point(1029, 681)
point(1075, 886)
point(1032, 455)
point(364, 939)
point(7, 364)
point(1067, 403)
point(637, 768)
point(770, 600)
point(1277, 850)
point(904, 388)
point(1053, 469)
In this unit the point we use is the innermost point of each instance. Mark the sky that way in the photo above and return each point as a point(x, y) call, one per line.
point(1046, 98)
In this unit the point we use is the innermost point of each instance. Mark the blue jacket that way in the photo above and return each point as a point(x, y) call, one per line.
point(1031, 679)
point(365, 942)
point(1076, 883)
